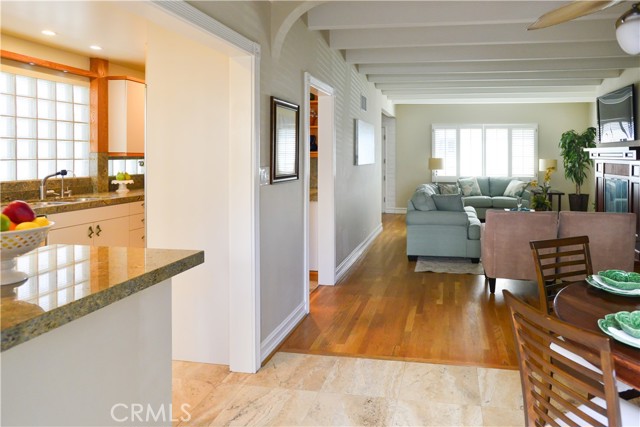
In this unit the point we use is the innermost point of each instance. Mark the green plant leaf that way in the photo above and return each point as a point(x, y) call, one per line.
point(576, 160)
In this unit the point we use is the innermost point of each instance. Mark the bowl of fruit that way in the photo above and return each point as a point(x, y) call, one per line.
point(21, 232)
point(122, 179)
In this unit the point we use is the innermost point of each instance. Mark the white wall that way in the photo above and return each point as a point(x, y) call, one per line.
point(357, 187)
point(187, 184)
point(413, 138)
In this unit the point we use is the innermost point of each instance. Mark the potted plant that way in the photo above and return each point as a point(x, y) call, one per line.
point(577, 162)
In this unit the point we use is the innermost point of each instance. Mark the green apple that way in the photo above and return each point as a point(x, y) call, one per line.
point(5, 222)
point(120, 176)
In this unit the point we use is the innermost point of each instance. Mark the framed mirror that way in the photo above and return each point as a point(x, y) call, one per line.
point(284, 140)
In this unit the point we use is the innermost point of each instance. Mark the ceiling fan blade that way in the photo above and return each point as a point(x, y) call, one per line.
point(570, 11)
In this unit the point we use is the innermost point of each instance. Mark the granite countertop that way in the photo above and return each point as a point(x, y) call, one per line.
point(98, 200)
point(67, 282)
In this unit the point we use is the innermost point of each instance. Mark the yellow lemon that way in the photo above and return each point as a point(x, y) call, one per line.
point(26, 226)
point(41, 221)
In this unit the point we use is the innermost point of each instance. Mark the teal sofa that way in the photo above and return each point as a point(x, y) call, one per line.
point(492, 194)
point(454, 232)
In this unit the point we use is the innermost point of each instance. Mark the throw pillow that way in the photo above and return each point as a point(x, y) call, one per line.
point(422, 201)
point(448, 189)
point(448, 202)
point(515, 188)
point(469, 186)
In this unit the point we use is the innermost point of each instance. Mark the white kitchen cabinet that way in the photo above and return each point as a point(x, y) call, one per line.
point(126, 117)
point(136, 225)
point(107, 226)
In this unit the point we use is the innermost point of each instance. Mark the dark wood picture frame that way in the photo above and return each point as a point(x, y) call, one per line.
point(285, 131)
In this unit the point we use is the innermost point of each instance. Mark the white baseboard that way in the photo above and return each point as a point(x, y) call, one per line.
point(276, 337)
point(396, 210)
point(357, 252)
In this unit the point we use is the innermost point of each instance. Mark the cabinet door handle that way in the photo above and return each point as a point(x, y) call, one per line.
point(98, 230)
point(90, 232)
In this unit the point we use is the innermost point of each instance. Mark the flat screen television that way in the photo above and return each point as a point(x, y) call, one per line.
point(616, 119)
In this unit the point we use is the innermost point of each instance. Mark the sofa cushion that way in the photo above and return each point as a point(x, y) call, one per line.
point(469, 187)
point(483, 183)
point(448, 189)
point(515, 188)
point(448, 202)
point(473, 232)
point(436, 218)
point(428, 188)
point(501, 202)
point(422, 200)
point(478, 201)
point(497, 185)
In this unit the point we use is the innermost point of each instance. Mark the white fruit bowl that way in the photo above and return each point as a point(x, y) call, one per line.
point(16, 243)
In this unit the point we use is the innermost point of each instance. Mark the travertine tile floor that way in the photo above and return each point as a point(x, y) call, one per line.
point(310, 390)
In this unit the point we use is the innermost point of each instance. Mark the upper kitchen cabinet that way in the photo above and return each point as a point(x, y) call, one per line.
point(126, 117)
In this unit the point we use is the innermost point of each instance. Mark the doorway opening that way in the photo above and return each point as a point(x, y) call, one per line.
point(319, 201)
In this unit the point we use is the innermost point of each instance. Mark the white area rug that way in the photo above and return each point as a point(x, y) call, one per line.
point(448, 265)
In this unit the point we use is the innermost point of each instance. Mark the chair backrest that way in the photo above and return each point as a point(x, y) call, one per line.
point(554, 387)
point(559, 262)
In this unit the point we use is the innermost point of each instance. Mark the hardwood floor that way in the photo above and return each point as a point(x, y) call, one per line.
point(383, 309)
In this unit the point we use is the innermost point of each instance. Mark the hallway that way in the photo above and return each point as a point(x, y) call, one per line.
point(383, 309)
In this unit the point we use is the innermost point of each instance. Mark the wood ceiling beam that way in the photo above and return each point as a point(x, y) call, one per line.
point(353, 14)
point(575, 31)
point(617, 64)
point(512, 98)
point(488, 77)
point(491, 91)
point(507, 52)
point(497, 84)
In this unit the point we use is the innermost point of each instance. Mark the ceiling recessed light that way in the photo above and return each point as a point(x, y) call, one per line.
point(48, 32)
point(95, 47)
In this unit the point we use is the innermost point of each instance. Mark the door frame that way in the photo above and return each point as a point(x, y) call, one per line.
point(244, 163)
point(326, 183)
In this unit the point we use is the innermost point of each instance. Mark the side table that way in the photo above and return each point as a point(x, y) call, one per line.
point(550, 195)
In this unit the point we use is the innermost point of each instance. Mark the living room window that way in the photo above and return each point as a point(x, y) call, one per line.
point(44, 127)
point(486, 150)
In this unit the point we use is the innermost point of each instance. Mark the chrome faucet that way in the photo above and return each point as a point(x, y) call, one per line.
point(43, 184)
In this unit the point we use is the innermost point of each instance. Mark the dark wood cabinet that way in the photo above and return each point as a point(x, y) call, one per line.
point(617, 180)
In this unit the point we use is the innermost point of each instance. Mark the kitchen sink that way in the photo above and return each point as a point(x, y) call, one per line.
point(78, 199)
point(44, 204)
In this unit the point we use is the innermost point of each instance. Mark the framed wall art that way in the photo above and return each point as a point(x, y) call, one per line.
point(365, 146)
point(284, 140)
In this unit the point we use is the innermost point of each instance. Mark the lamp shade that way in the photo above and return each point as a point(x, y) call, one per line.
point(436, 163)
point(544, 164)
point(628, 31)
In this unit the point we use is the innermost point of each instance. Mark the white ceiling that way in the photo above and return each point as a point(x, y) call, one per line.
point(414, 52)
point(78, 25)
point(474, 51)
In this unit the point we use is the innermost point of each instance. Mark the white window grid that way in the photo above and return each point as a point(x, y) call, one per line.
point(44, 127)
point(517, 154)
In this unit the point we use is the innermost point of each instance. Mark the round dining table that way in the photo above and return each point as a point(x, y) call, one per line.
point(582, 305)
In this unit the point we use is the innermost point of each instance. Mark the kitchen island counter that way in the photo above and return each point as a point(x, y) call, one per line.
point(88, 335)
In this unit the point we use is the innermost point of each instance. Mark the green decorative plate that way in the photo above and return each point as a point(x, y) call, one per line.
point(621, 279)
point(597, 282)
point(610, 326)
point(629, 322)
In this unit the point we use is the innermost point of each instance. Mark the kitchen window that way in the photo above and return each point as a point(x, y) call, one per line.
point(44, 127)
point(485, 150)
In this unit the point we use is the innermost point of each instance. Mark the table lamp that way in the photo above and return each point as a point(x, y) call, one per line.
point(548, 166)
point(436, 164)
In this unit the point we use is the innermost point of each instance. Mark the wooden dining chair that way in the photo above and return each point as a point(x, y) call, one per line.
point(556, 390)
point(558, 263)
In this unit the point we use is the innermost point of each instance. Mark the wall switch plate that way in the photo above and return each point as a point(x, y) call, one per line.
point(264, 175)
